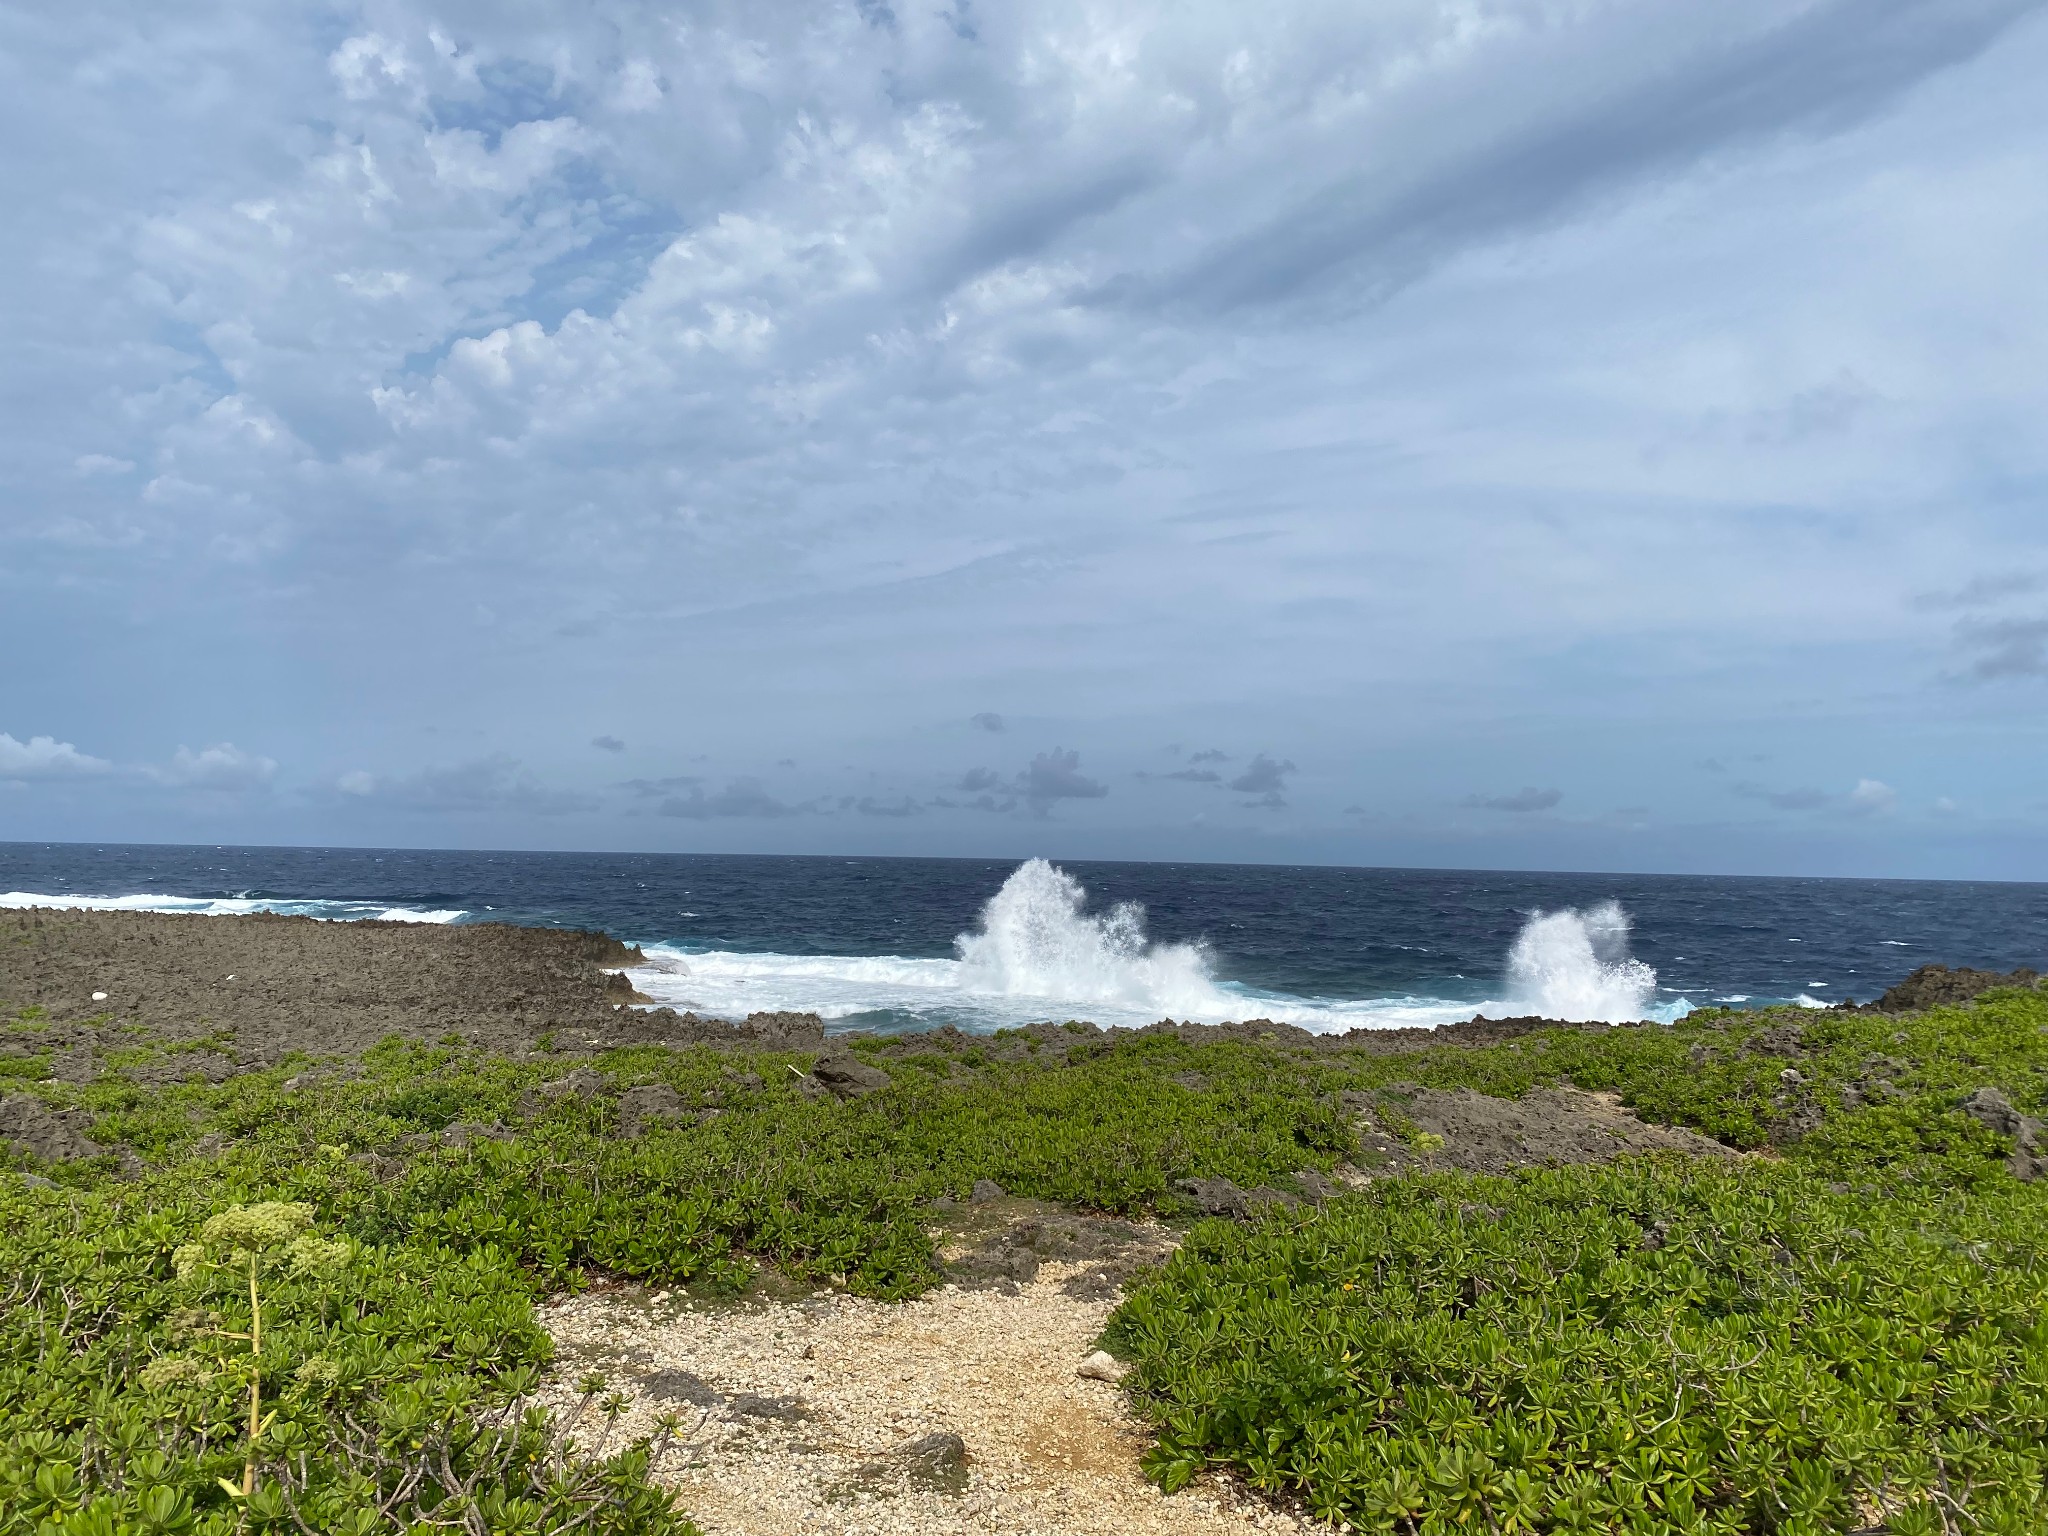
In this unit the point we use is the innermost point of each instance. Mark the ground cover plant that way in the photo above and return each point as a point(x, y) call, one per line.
point(439, 1190)
point(1852, 1335)
point(432, 1193)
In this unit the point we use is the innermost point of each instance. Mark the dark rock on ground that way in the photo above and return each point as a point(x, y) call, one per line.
point(1788, 1040)
point(185, 1067)
point(937, 1462)
point(29, 1125)
point(984, 1191)
point(758, 1031)
point(681, 1387)
point(652, 1104)
point(1316, 1187)
point(75, 1066)
point(618, 987)
point(379, 1166)
point(1798, 1114)
point(300, 984)
point(1990, 1108)
point(753, 1405)
point(1935, 986)
point(581, 1083)
point(846, 1077)
point(1011, 1254)
point(1550, 1126)
point(1215, 1197)
point(465, 1132)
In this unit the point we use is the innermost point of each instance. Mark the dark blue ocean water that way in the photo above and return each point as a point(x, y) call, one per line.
point(873, 941)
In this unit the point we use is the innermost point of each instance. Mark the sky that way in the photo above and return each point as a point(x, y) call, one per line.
point(1575, 434)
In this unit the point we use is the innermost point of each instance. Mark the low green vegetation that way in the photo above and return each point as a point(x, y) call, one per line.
point(1851, 1336)
point(1845, 1329)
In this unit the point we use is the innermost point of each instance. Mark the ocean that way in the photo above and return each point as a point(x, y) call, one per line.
point(904, 944)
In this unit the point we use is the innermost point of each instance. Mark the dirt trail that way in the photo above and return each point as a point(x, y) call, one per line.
point(806, 1408)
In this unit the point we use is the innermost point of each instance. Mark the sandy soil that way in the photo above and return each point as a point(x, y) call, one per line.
point(803, 1412)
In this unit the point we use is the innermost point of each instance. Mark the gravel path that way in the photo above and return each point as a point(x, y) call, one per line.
point(806, 1408)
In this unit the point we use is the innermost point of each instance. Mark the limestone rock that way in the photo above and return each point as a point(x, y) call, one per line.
point(847, 1078)
point(651, 1104)
point(29, 1125)
point(1100, 1366)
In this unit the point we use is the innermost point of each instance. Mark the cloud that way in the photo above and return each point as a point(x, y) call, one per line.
point(739, 798)
point(1867, 797)
point(867, 805)
point(1983, 591)
point(1148, 366)
point(45, 757)
point(1263, 776)
point(2007, 648)
point(499, 784)
point(1804, 798)
point(988, 803)
point(1054, 776)
point(1527, 798)
point(1049, 778)
point(607, 743)
point(223, 766)
point(654, 789)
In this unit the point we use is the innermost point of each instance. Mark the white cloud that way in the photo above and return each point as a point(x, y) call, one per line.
point(1873, 796)
point(1153, 370)
point(498, 784)
point(44, 757)
point(366, 64)
point(222, 766)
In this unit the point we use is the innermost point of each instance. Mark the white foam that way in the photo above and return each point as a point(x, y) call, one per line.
point(1035, 941)
point(906, 992)
point(1575, 965)
point(1036, 954)
point(228, 906)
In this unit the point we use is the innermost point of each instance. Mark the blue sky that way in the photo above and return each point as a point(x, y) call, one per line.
point(1502, 433)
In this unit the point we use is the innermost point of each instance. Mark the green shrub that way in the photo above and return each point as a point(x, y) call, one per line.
point(1852, 1337)
point(1840, 1329)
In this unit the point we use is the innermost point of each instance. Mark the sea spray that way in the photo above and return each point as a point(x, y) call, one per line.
point(228, 906)
point(1034, 940)
point(1575, 964)
point(1036, 953)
